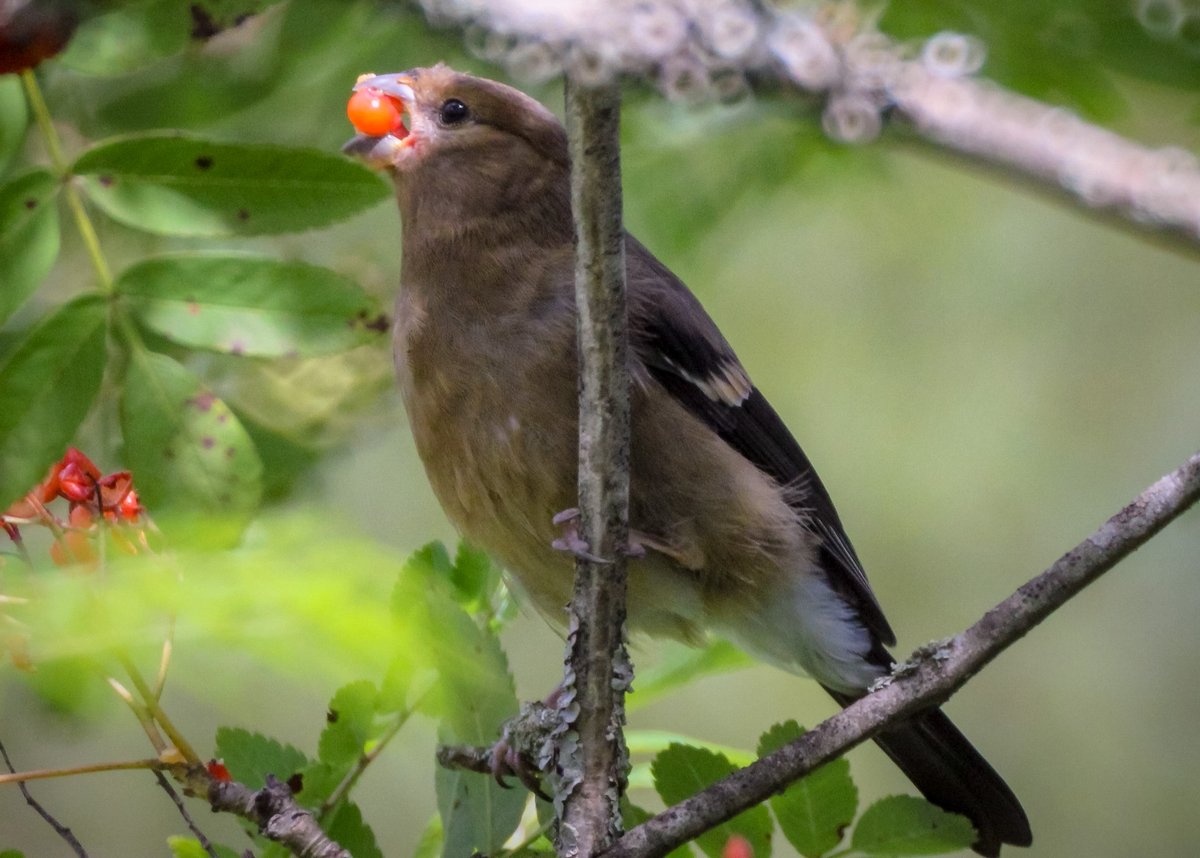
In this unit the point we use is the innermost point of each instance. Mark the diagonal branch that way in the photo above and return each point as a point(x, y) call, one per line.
point(937, 672)
point(863, 78)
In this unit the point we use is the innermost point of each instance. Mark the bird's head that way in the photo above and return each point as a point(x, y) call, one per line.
point(451, 119)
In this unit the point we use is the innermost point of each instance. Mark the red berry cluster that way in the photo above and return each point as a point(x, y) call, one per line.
point(92, 497)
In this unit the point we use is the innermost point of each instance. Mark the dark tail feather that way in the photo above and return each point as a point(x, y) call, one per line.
point(949, 772)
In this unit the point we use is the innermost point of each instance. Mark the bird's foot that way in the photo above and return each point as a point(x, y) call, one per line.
point(508, 761)
point(572, 543)
point(525, 747)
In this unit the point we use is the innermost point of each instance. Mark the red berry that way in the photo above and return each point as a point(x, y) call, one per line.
point(130, 507)
point(375, 114)
point(737, 847)
point(74, 484)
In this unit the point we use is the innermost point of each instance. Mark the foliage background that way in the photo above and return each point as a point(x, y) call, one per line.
point(980, 375)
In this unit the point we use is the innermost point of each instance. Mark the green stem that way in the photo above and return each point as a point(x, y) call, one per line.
point(87, 231)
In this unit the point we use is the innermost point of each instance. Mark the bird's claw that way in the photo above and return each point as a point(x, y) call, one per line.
point(507, 761)
point(572, 543)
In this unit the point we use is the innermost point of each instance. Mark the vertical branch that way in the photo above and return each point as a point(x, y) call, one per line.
point(592, 756)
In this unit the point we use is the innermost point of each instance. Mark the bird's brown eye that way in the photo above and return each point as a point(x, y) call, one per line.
point(453, 112)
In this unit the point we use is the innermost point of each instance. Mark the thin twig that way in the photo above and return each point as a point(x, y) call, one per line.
point(15, 777)
point(140, 713)
point(150, 701)
point(598, 670)
point(932, 676)
point(170, 791)
point(59, 828)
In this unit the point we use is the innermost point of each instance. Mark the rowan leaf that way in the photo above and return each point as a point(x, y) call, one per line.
point(250, 305)
point(172, 184)
point(184, 446)
point(907, 825)
point(14, 119)
point(814, 811)
point(29, 237)
point(682, 771)
point(47, 386)
point(250, 757)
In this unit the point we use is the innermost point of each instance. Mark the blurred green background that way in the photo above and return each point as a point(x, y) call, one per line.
point(981, 376)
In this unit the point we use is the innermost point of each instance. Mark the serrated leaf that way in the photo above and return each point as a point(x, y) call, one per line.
point(907, 825)
point(47, 386)
point(680, 665)
point(814, 811)
point(682, 771)
point(250, 305)
point(474, 577)
point(29, 237)
point(352, 833)
point(477, 815)
point(128, 36)
point(14, 118)
point(250, 757)
point(319, 781)
point(348, 724)
point(473, 696)
point(180, 185)
point(184, 445)
point(189, 847)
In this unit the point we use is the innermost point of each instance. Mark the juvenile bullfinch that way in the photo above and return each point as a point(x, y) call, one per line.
point(737, 534)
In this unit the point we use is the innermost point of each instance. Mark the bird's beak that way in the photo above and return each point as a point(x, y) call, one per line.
point(382, 152)
point(398, 85)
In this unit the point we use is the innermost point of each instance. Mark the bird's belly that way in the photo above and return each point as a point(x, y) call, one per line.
point(501, 480)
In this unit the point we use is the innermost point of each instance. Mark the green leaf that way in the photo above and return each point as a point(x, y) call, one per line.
point(183, 444)
point(223, 14)
point(907, 825)
point(28, 237)
point(680, 665)
point(814, 811)
point(47, 386)
point(128, 36)
point(474, 577)
point(14, 118)
point(655, 741)
point(251, 305)
point(352, 833)
point(430, 844)
point(12, 853)
point(319, 780)
point(179, 185)
point(348, 725)
point(189, 847)
point(250, 757)
point(477, 815)
point(473, 697)
point(682, 771)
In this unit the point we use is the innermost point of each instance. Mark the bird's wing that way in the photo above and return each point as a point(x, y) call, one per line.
point(683, 351)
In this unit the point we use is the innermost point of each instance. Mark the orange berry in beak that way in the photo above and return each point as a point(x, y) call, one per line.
point(375, 114)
